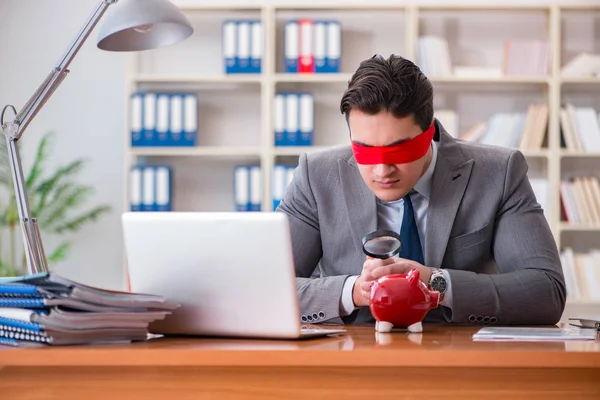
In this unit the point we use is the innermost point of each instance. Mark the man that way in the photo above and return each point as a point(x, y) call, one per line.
point(483, 240)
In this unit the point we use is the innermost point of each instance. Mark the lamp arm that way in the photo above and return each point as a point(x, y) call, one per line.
point(58, 74)
point(32, 241)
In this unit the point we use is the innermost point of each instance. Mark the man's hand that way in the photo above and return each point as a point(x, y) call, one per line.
point(362, 286)
point(375, 269)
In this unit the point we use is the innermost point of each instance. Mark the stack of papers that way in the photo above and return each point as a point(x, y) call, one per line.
point(534, 334)
point(47, 309)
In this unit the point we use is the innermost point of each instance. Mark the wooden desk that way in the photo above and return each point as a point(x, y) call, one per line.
point(442, 362)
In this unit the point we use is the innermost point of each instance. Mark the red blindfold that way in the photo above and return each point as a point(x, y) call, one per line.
point(400, 153)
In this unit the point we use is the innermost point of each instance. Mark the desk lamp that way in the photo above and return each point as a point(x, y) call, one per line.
point(134, 25)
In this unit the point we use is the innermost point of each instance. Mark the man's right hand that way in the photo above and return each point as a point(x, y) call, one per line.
point(360, 293)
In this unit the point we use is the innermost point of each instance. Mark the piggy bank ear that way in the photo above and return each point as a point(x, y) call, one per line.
point(413, 276)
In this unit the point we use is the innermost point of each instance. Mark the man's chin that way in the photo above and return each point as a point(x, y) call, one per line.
point(388, 195)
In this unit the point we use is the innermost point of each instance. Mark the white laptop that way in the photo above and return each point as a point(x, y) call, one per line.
point(232, 272)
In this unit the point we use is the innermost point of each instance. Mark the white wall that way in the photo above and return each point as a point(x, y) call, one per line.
point(86, 113)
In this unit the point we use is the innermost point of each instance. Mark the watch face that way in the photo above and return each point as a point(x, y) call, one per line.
point(439, 283)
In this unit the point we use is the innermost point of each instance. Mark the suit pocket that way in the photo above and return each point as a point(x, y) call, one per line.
point(469, 239)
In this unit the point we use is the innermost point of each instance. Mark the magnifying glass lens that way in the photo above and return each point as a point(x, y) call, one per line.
point(382, 244)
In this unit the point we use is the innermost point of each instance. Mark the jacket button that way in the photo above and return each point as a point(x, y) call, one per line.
point(315, 317)
point(472, 318)
point(493, 320)
point(309, 317)
point(321, 314)
point(486, 320)
point(304, 318)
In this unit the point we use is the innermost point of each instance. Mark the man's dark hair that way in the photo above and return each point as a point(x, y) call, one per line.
point(395, 85)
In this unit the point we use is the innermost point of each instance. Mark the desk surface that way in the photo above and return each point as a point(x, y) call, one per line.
point(437, 346)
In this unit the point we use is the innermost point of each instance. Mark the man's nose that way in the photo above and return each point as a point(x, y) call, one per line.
point(383, 169)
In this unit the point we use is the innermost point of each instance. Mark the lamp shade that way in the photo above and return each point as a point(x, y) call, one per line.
point(135, 25)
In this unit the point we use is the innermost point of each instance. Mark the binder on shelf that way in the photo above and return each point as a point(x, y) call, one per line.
point(306, 114)
point(294, 119)
point(229, 46)
point(291, 46)
point(279, 123)
point(241, 187)
point(278, 184)
point(312, 46)
point(242, 46)
point(162, 119)
point(334, 46)
point(176, 120)
point(137, 119)
point(256, 47)
point(150, 188)
point(255, 188)
point(320, 54)
point(292, 114)
point(135, 188)
point(190, 119)
point(149, 126)
point(163, 188)
point(282, 177)
point(307, 61)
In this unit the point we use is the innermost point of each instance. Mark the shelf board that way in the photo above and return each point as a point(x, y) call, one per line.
point(481, 6)
point(578, 154)
point(198, 151)
point(325, 78)
point(296, 150)
point(328, 6)
point(216, 6)
point(216, 78)
point(580, 79)
point(542, 153)
point(568, 227)
point(490, 79)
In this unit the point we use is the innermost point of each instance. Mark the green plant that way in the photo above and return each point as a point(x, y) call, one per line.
point(55, 199)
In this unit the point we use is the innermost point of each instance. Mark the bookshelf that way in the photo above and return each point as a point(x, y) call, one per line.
point(236, 111)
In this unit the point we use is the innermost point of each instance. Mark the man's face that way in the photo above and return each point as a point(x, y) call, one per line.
point(389, 182)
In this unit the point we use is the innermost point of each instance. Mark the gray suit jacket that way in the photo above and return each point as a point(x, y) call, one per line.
point(483, 225)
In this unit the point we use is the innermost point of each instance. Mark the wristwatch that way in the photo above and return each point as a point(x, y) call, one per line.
point(438, 282)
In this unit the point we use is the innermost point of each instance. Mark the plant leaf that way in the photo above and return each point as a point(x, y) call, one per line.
point(45, 188)
point(40, 157)
point(59, 207)
point(60, 252)
point(76, 223)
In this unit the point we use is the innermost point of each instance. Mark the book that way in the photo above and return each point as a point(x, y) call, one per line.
point(48, 309)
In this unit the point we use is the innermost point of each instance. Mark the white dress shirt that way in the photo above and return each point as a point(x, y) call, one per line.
point(389, 216)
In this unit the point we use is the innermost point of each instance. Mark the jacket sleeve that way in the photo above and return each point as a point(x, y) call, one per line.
point(530, 287)
point(319, 298)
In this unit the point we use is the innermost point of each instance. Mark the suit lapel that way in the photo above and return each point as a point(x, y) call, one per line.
point(359, 201)
point(449, 182)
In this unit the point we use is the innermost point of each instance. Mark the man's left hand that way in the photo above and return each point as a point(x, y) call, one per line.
point(394, 265)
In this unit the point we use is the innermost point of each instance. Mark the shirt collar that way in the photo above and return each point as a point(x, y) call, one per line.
point(423, 185)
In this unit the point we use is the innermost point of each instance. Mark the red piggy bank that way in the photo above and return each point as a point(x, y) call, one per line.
point(401, 300)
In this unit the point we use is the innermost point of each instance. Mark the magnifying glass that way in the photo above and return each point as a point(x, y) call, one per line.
point(381, 244)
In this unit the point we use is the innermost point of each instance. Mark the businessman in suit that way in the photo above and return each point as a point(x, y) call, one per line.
point(466, 213)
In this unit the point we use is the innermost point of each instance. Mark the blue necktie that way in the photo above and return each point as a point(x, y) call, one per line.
point(411, 245)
